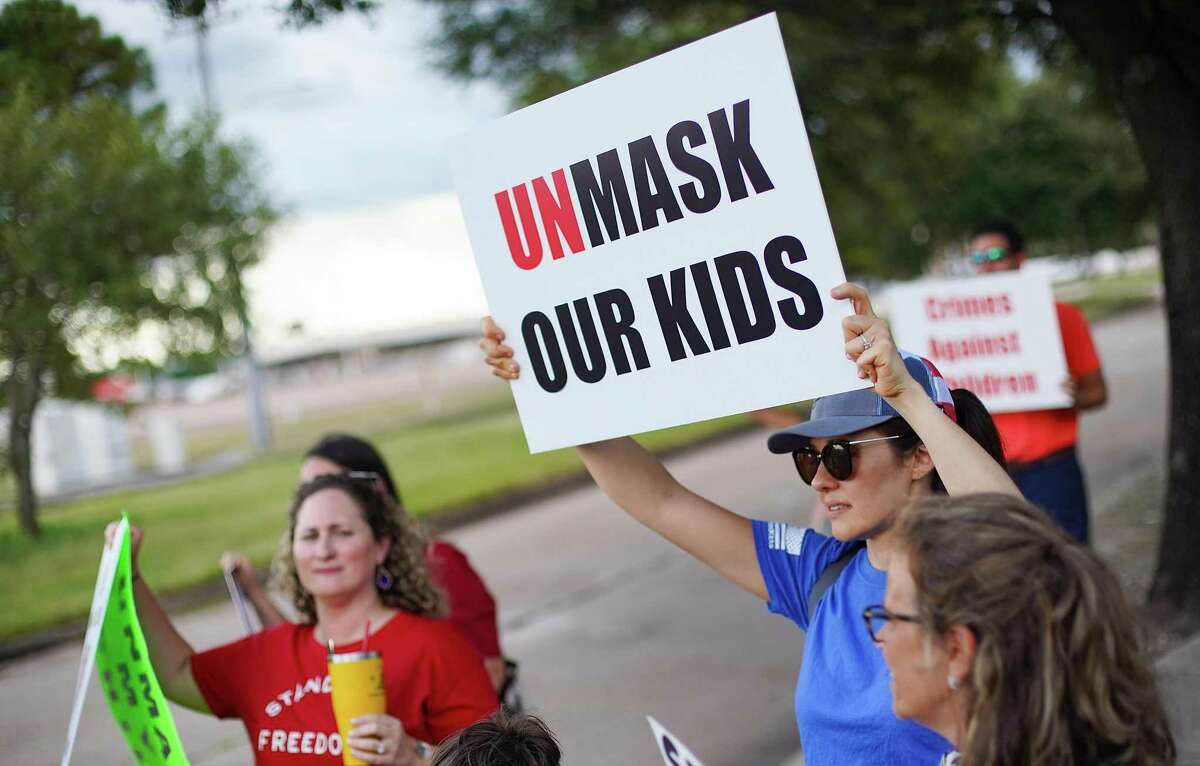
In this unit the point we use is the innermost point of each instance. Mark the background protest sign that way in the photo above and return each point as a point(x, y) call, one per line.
point(130, 686)
point(673, 751)
point(656, 246)
point(996, 335)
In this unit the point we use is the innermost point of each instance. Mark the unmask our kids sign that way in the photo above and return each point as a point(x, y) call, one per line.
point(995, 334)
point(656, 246)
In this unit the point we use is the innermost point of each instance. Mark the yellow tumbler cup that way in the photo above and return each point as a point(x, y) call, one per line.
point(356, 686)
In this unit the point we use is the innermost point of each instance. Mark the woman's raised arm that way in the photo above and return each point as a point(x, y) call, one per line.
point(268, 614)
point(635, 480)
point(962, 463)
point(170, 653)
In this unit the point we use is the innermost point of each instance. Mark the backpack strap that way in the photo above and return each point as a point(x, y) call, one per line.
point(831, 574)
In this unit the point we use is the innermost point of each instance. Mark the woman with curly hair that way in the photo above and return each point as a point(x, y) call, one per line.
point(470, 606)
point(357, 574)
point(1014, 641)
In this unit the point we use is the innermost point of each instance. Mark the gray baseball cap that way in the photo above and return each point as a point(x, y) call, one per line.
point(845, 413)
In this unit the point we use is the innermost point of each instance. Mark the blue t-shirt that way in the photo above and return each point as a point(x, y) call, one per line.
point(843, 702)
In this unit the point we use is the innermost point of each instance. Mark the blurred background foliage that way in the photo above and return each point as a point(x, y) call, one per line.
point(115, 226)
point(924, 119)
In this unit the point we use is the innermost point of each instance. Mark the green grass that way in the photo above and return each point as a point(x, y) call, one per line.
point(375, 416)
point(1102, 297)
point(441, 465)
point(291, 436)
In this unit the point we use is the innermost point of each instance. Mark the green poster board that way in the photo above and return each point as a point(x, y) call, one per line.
point(130, 686)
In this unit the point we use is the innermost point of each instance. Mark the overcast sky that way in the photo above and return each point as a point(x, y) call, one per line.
point(345, 114)
point(350, 120)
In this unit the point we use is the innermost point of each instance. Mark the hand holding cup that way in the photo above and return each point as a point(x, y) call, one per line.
point(379, 738)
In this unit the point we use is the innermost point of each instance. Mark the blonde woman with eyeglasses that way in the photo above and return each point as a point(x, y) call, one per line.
point(1013, 641)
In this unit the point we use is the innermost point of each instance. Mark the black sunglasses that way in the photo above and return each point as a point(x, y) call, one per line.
point(837, 457)
point(877, 616)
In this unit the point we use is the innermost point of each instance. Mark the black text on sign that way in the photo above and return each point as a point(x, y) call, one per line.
point(602, 195)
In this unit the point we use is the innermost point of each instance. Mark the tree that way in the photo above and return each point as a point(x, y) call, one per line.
point(896, 98)
point(1050, 155)
point(111, 223)
point(296, 13)
point(61, 58)
point(887, 88)
point(1147, 56)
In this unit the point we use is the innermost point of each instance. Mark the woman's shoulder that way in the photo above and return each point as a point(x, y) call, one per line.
point(408, 627)
point(443, 554)
point(286, 629)
point(439, 547)
point(268, 643)
point(275, 639)
point(425, 635)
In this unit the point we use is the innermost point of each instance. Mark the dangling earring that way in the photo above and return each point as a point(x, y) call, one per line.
point(951, 681)
point(383, 578)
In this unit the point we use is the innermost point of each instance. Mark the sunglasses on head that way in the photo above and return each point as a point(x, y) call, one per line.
point(837, 457)
point(990, 255)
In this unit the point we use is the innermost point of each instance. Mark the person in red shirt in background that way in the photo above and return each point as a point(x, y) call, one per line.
point(1040, 445)
point(471, 607)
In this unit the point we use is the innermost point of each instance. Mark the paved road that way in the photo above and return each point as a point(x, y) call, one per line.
point(611, 623)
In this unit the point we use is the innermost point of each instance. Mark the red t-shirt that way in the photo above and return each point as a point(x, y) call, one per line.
point(472, 608)
point(277, 682)
point(1033, 435)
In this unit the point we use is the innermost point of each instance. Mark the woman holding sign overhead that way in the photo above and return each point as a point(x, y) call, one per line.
point(867, 453)
point(357, 573)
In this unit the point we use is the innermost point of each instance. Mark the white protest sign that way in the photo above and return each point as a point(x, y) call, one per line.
point(109, 559)
point(995, 334)
point(673, 751)
point(656, 246)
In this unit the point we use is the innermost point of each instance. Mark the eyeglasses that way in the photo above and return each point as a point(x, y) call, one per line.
point(836, 456)
point(367, 476)
point(990, 255)
point(877, 616)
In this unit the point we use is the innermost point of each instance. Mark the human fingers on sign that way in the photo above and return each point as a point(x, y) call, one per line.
point(239, 566)
point(135, 540)
point(869, 343)
point(496, 353)
point(858, 295)
point(1070, 387)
